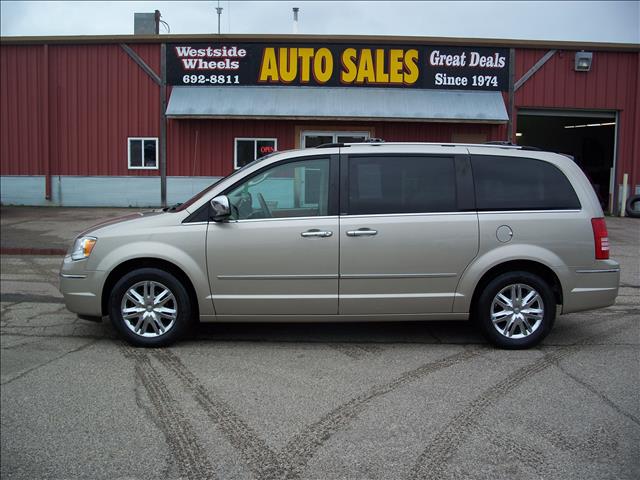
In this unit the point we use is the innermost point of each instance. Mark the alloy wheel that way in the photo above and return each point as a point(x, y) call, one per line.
point(149, 309)
point(517, 311)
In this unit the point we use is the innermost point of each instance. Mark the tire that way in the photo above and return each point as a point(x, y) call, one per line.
point(512, 329)
point(632, 209)
point(167, 305)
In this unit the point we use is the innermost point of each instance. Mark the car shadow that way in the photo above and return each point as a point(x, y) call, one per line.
point(432, 332)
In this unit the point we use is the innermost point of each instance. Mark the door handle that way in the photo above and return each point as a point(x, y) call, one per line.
point(314, 232)
point(362, 232)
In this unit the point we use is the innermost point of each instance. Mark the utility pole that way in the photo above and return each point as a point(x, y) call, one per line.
point(219, 12)
point(295, 20)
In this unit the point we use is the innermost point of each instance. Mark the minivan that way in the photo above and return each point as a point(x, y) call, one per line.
point(504, 236)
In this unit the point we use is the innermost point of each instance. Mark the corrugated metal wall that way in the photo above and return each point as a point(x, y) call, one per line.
point(97, 97)
point(100, 97)
point(23, 145)
point(73, 106)
point(205, 147)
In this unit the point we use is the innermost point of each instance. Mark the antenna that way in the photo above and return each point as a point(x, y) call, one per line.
point(295, 20)
point(158, 19)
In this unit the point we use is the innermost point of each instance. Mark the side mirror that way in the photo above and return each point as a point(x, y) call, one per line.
point(220, 207)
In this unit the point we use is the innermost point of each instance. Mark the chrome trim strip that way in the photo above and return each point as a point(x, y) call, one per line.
point(526, 211)
point(588, 290)
point(71, 275)
point(342, 296)
point(277, 277)
point(280, 219)
point(419, 214)
point(270, 297)
point(397, 275)
point(608, 270)
point(334, 276)
point(399, 295)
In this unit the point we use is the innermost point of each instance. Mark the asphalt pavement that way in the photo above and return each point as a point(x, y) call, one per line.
point(322, 401)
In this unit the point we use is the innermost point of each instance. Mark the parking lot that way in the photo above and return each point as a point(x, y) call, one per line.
point(322, 401)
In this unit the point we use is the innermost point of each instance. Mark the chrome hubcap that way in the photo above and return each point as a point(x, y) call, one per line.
point(517, 311)
point(149, 309)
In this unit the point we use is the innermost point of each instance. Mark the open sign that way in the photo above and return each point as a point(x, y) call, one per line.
point(265, 149)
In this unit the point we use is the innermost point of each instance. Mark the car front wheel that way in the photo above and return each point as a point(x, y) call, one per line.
point(149, 307)
point(516, 310)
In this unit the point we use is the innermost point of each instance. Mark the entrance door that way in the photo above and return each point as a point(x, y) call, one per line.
point(403, 242)
point(278, 255)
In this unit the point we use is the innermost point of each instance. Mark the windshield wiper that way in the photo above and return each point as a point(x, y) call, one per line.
point(172, 207)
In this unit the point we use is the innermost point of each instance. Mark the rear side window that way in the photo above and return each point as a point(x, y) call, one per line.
point(401, 184)
point(513, 183)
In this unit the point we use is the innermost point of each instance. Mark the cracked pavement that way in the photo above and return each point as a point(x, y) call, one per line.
point(323, 401)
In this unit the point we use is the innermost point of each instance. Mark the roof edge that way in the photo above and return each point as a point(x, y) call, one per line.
point(174, 38)
point(189, 116)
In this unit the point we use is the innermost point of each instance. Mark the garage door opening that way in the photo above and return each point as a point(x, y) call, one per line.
point(588, 137)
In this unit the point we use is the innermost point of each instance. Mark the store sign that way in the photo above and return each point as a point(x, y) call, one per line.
point(338, 65)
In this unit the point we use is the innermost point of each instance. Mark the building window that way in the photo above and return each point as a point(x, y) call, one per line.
point(310, 139)
point(249, 149)
point(143, 153)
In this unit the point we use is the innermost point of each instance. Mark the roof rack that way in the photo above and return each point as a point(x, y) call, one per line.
point(500, 143)
point(376, 141)
point(506, 143)
point(331, 145)
point(535, 149)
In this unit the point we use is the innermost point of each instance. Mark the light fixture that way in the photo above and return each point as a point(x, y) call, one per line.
point(518, 134)
point(583, 61)
point(589, 125)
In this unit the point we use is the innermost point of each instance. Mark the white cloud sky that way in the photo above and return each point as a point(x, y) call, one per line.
point(601, 21)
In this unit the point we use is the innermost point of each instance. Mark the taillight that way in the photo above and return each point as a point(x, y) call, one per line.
point(600, 238)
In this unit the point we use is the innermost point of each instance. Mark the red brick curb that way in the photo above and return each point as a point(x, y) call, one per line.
point(31, 251)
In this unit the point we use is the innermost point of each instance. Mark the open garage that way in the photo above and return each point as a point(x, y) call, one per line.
point(588, 137)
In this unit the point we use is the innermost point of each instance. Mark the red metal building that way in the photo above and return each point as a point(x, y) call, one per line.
point(94, 120)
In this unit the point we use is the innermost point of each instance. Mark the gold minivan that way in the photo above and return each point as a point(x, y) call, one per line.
point(501, 235)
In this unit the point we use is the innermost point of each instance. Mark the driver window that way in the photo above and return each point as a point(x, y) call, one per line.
point(295, 189)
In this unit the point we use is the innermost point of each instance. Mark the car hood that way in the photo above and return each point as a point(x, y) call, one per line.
point(132, 217)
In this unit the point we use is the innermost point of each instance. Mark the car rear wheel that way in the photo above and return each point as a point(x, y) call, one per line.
point(516, 310)
point(149, 307)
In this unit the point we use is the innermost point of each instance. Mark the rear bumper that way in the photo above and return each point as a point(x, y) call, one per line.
point(592, 288)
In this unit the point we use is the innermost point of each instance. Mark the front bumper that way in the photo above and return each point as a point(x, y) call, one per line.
point(81, 288)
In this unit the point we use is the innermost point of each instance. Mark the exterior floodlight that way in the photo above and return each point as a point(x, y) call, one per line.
point(583, 61)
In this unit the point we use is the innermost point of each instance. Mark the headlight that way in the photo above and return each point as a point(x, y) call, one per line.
point(82, 247)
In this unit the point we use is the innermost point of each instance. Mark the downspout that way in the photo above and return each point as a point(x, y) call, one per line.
point(46, 131)
point(512, 77)
point(163, 124)
point(635, 152)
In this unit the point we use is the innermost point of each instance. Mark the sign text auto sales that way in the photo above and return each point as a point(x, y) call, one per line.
point(338, 65)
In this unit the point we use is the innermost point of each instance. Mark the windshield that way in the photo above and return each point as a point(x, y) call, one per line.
point(182, 206)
